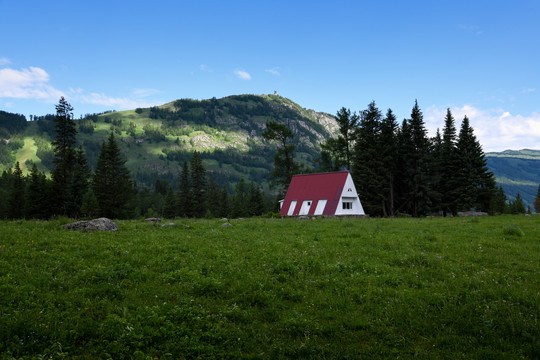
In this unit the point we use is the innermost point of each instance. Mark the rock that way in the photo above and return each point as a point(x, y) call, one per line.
point(168, 224)
point(153, 220)
point(224, 219)
point(101, 224)
point(472, 213)
point(226, 224)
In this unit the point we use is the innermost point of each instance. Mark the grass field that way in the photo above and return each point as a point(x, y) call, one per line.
point(428, 288)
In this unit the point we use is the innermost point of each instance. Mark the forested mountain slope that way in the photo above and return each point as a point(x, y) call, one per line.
point(156, 141)
point(517, 171)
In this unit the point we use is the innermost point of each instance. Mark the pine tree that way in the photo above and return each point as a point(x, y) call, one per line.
point(64, 154)
point(284, 165)
point(198, 186)
point(16, 198)
point(112, 184)
point(183, 199)
point(37, 190)
point(537, 201)
point(517, 206)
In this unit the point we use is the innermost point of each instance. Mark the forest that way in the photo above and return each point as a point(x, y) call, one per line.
point(398, 170)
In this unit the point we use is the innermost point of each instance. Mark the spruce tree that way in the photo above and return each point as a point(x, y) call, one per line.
point(37, 190)
point(417, 164)
point(537, 201)
point(183, 199)
point(198, 186)
point(389, 157)
point(169, 208)
point(255, 200)
point(476, 182)
point(64, 154)
point(450, 167)
point(239, 203)
point(79, 183)
point(213, 196)
point(112, 183)
point(367, 171)
point(16, 197)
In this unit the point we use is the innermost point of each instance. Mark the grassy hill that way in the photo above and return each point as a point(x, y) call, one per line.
point(156, 141)
point(517, 171)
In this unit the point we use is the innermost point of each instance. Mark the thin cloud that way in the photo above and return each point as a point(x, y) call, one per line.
point(470, 28)
point(241, 74)
point(4, 61)
point(205, 68)
point(112, 102)
point(31, 83)
point(145, 92)
point(525, 91)
point(274, 71)
point(495, 129)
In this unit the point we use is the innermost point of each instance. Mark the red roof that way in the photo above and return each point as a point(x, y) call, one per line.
point(315, 187)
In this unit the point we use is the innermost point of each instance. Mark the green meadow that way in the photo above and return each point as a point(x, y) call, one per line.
point(431, 288)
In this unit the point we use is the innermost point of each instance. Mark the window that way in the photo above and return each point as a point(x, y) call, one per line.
point(347, 205)
point(349, 189)
point(309, 203)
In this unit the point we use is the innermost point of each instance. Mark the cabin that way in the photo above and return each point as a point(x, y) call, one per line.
point(330, 193)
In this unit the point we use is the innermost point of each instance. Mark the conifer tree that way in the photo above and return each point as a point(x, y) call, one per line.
point(213, 196)
point(239, 203)
point(37, 191)
point(477, 183)
point(367, 169)
point(284, 165)
point(450, 166)
point(255, 200)
point(169, 208)
point(198, 186)
point(79, 183)
point(16, 197)
point(183, 199)
point(417, 162)
point(389, 157)
point(337, 153)
point(64, 154)
point(112, 183)
point(89, 205)
point(537, 201)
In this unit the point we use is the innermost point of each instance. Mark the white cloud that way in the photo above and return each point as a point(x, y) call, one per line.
point(145, 92)
point(241, 74)
point(495, 129)
point(31, 83)
point(525, 91)
point(112, 102)
point(4, 61)
point(205, 68)
point(273, 71)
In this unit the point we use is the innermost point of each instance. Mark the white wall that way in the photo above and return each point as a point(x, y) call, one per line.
point(349, 194)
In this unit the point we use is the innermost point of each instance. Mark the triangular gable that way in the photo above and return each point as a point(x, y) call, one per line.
point(315, 187)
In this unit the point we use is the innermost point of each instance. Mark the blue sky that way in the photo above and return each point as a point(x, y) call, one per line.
point(478, 58)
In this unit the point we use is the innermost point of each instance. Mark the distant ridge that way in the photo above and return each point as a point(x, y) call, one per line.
point(517, 171)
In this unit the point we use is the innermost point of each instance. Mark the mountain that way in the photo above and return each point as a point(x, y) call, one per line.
point(517, 171)
point(157, 140)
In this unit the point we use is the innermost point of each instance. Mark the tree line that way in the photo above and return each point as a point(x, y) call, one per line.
point(398, 169)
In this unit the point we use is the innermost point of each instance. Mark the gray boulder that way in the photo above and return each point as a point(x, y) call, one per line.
point(101, 224)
